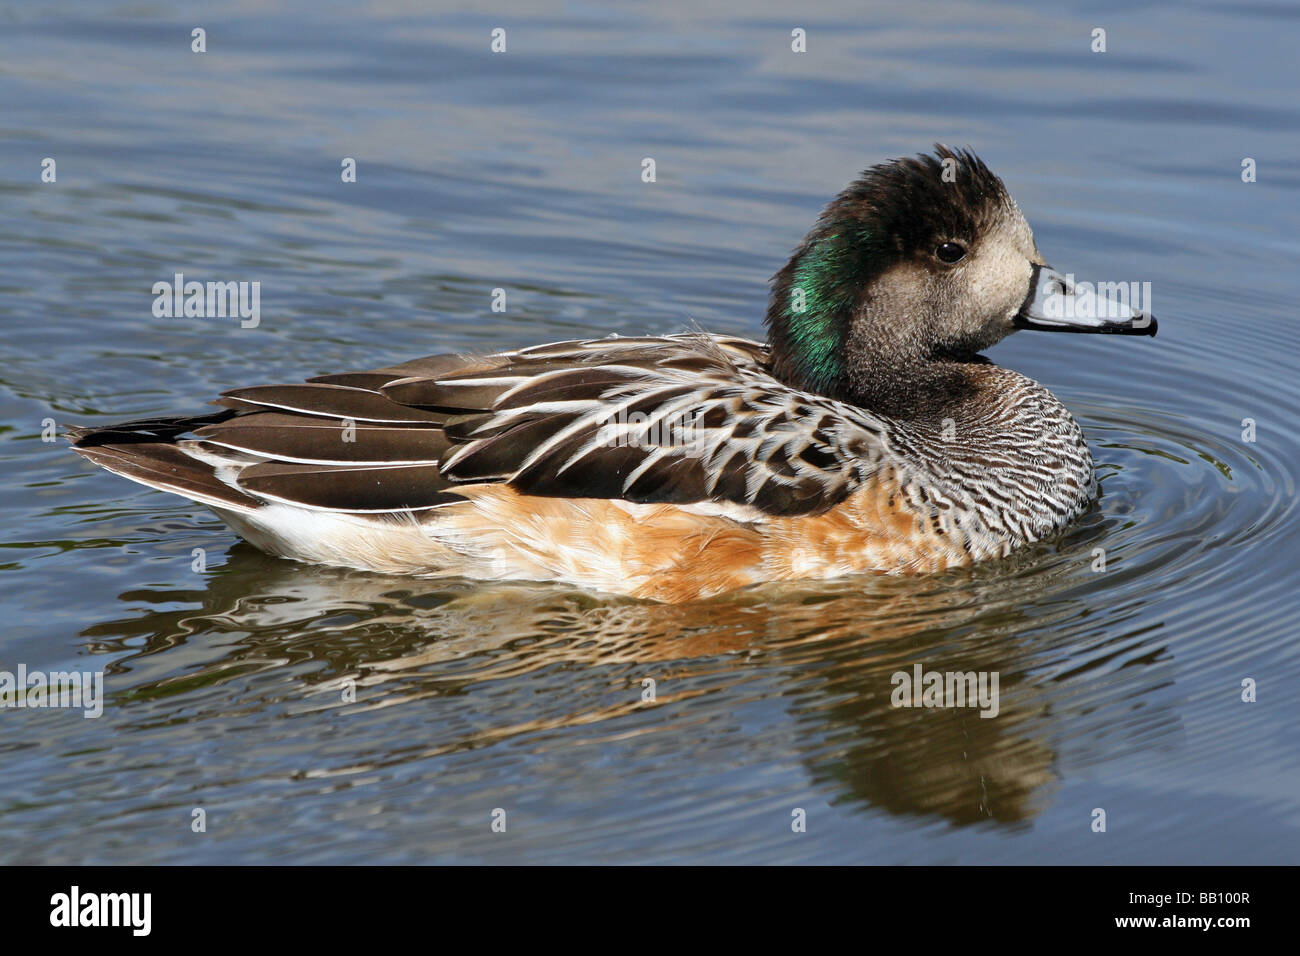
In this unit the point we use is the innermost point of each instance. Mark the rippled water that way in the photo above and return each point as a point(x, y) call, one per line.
point(1120, 690)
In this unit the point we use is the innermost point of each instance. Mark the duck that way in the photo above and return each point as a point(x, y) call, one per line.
point(868, 433)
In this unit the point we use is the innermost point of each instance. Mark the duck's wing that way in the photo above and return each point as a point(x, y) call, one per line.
point(683, 419)
point(687, 419)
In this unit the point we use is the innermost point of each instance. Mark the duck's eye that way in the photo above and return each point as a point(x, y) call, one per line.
point(950, 252)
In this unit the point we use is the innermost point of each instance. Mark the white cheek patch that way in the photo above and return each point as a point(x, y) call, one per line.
point(997, 280)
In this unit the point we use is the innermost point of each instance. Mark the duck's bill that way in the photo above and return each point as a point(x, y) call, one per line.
point(1055, 304)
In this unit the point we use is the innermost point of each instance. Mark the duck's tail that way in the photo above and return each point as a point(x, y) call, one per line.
point(147, 451)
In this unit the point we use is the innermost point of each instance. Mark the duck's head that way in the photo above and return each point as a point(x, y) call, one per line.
point(911, 271)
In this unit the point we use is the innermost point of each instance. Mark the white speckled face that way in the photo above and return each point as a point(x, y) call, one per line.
point(928, 305)
point(975, 299)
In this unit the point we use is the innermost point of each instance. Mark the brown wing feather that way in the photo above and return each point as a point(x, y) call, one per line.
point(679, 420)
point(313, 438)
point(359, 490)
point(160, 464)
point(334, 401)
point(583, 419)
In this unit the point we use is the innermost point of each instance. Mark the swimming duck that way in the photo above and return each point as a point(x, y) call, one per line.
point(867, 434)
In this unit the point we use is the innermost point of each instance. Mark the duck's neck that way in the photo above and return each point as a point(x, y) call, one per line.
point(893, 371)
point(836, 327)
point(813, 300)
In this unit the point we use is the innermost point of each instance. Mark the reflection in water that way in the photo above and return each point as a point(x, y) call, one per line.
point(828, 653)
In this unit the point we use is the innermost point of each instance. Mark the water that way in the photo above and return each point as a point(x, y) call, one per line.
point(1119, 690)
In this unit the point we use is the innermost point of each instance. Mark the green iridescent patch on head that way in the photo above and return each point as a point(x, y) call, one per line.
point(824, 333)
point(823, 286)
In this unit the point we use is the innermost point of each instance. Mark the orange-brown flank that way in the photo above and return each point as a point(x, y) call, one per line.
point(667, 553)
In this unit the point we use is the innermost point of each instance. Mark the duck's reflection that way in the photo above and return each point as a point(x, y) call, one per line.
point(830, 652)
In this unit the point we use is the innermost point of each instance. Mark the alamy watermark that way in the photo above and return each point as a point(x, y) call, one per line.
point(212, 300)
point(133, 911)
point(922, 688)
point(1104, 300)
point(626, 429)
point(83, 690)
